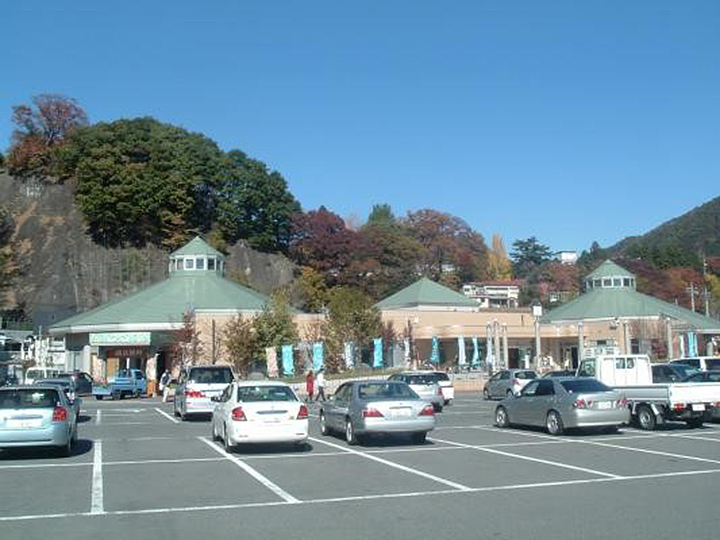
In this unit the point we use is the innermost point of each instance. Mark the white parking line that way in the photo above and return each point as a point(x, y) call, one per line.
point(491, 489)
point(654, 452)
point(252, 472)
point(394, 465)
point(166, 415)
point(528, 458)
point(96, 504)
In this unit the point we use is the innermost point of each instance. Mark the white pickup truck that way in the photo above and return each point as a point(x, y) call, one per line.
point(652, 404)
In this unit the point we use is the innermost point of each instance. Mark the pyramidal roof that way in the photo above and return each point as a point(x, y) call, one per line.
point(609, 269)
point(196, 246)
point(425, 292)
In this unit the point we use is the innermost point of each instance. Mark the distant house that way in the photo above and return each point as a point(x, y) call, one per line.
point(494, 294)
point(567, 257)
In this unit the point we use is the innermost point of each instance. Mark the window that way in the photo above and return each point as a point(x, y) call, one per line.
point(626, 282)
point(713, 363)
point(343, 393)
point(505, 375)
point(178, 264)
point(211, 263)
point(598, 283)
point(617, 282)
point(531, 389)
point(607, 282)
point(211, 375)
point(525, 375)
point(189, 264)
point(251, 394)
point(545, 388)
point(587, 369)
point(388, 390)
point(29, 398)
point(199, 263)
point(584, 385)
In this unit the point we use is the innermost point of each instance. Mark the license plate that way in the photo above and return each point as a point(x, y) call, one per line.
point(698, 406)
point(401, 413)
point(604, 405)
point(23, 424)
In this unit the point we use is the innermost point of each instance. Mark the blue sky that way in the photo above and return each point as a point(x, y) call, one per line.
point(571, 121)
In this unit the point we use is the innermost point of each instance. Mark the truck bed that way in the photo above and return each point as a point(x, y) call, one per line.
point(671, 393)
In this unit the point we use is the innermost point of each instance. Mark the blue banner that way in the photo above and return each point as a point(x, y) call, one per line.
point(435, 355)
point(692, 344)
point(475, 362)
point(377, 356)
point(461, 351)
point(318, 356)
point(287, 360)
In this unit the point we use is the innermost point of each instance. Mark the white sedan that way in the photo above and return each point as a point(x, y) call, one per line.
point(259, 412)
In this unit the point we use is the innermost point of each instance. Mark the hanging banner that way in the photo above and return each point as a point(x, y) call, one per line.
point(349, 356)
point(271, 359)
point(692, 344)
point(489, 359)
point(406, 351)
point(377, 353)
point(681, 341)
point(318, 356)
point(435, 354)
point(461, 351)
point(475, 362)
point(287, 361)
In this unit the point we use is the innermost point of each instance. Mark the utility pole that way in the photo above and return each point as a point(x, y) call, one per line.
point(691, 290)
point(707, 295)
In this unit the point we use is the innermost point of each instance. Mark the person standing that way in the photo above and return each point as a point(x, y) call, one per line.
point(165, 379)
point(320, 380)
point(310, 385)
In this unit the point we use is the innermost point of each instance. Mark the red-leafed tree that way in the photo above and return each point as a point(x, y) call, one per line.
point(40, 128)
point(321, 241)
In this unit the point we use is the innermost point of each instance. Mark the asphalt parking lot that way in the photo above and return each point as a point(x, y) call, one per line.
point(138, 471)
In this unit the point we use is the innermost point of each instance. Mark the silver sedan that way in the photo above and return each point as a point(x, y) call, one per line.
point(36, 416)
point(360, 408)
point(562, 403)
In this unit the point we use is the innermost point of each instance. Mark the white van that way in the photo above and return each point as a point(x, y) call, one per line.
point(36, 373)
point(703, 363)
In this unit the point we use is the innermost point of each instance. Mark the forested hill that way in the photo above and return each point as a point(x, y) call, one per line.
point(695, 232)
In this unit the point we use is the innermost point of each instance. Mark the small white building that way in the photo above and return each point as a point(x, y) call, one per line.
point(567, 257)
point(494, 294)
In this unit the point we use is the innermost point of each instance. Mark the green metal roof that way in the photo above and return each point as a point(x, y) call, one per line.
point(425, 292)
point(609, 269)
point(168, 300)
point(197, 246)
point(626, 303)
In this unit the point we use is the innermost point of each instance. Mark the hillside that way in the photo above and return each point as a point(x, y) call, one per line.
point(697, 231)
point(64, 271)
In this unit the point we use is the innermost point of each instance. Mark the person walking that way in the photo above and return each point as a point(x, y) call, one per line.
point(164, 381)
point(320, 381)
point(310, 385)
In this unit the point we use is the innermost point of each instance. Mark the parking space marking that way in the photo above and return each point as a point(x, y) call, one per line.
point(394, 465)
point(528, 458)
point(98, 417)
point(654, 452)
point(252, 472)
point(488, 489)
point(166, 415)
point(96, 504)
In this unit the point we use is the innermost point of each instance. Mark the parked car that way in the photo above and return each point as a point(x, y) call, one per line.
point(425, 384)
point(558, 373)
point(360, 408)
point(701, 363)
point(507, 382)
point(34, 373)
point(197, 385)
point(446, 386)
point(259, 412)
point(562, 403)
point(126, 382)
point(670, 373)
point(67, 386)
point(36, 416)
point(83, 381)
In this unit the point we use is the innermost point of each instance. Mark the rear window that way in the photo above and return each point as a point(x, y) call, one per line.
point(584, 385)
point(28, 398)
point(250, 394)
point(441, 376)
point(385, 391)
point(421, 379)
point(685, 370)
point(713, 363)
point(210, 376)
point(688, 362)
point(57, 382)
point(525, 375)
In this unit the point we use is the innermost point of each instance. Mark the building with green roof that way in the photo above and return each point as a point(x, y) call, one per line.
point(138, 330)
point(425, 294)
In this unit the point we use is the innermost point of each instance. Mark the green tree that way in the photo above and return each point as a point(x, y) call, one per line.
point(312, 289)
point(528, 255)
point(274, 325)
point(381, 214)
point(140, 181)
point(239, 342)
point(351, 317)
point(254, 204)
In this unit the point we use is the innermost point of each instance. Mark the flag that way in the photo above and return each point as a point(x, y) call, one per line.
point(287, 360)
point(461, 351)
point(318, 356)
point(377, 357)
point(435, 355)
point(476, 354)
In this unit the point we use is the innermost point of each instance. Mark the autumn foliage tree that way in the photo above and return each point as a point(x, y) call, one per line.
point(41, 128)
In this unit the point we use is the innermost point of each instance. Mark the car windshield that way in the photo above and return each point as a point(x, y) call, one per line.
point(713, 363)
point(265, 393)
point(440, 376)
point(584, 385)
point(56, 382)
point(685, 370)
point(211, 376)
point(525, 375)
point(123, 374)
point(421, 379)
point(29, 398)
point(385, 391)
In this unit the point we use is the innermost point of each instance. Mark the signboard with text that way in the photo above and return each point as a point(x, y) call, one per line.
point(110, 339)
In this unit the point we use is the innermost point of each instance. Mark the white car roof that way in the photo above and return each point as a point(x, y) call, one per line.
point(261, 383)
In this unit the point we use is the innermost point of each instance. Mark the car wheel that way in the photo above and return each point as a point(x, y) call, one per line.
point(324, 429)
point(350, 435)
point(646, 418)
point(554, 423)
point(99, 398)
point(501, 418)
point(176, 414)
point(419, 438)
point(66, 450)
point(486, 394)
point(694, 423)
